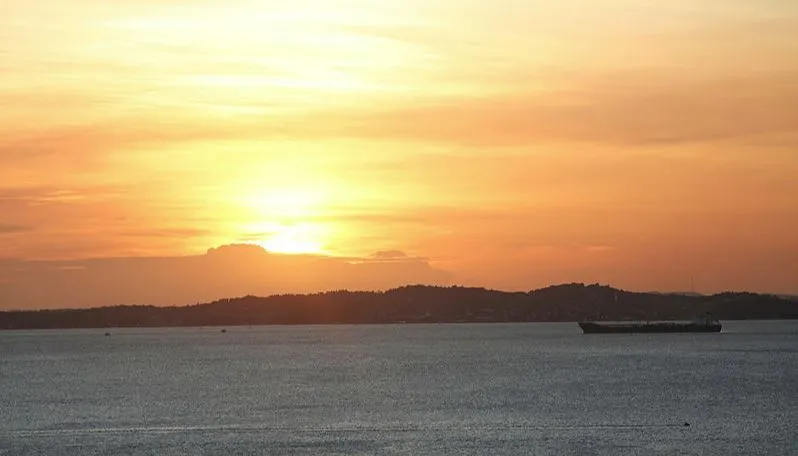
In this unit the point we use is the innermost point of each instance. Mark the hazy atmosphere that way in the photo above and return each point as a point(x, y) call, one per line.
point(322, 145)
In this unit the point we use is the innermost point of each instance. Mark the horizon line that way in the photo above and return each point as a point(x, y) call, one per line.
point(688, 294)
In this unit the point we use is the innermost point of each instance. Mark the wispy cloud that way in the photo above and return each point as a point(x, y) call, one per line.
point(12, 229)
point(629, 110)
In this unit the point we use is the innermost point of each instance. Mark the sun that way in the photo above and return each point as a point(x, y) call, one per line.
point(291, 221)
point(295, 240)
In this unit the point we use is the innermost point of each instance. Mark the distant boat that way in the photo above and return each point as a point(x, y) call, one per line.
point(705, 325)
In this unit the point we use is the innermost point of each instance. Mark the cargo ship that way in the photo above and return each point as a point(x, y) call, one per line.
point(703, 325)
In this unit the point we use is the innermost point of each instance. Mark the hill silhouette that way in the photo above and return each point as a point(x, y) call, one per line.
point(417, 304)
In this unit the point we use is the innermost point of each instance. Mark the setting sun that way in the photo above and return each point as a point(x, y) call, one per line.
point(297, 239)
point(285, 220)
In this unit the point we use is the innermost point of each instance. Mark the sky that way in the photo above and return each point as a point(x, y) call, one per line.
point(510, 144)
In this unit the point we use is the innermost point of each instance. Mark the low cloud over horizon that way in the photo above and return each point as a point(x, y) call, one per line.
point(223, 272)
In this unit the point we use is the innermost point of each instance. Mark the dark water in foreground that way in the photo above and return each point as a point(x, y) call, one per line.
point(406, 389)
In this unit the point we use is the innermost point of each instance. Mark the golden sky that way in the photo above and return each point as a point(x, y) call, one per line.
point(509, 144)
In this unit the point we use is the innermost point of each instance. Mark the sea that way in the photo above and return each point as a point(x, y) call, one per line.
point(406, 389)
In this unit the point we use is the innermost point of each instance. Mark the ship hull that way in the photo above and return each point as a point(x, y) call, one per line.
point(626, 328)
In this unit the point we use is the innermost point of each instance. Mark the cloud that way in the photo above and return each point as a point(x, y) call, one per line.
point(629, 110)
point(227, 271)
point(619, 109)
point(389, 255)
point(13, 229)
point(184, 232)
point(99, 220)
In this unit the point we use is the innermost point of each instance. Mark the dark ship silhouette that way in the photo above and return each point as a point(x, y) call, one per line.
point(699, 325)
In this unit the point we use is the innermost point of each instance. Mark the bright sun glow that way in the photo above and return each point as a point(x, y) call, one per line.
point(297, 239)
point(286, 221)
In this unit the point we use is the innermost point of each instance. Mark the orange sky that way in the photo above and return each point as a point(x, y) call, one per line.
point(509, 144)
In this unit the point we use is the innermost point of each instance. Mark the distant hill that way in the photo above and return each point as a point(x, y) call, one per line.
point(676, 293)
point(420, 303)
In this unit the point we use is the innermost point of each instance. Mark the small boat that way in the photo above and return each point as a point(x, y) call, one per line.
point(703, 325)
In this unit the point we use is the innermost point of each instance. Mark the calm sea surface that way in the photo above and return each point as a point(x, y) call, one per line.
point(484, 389)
